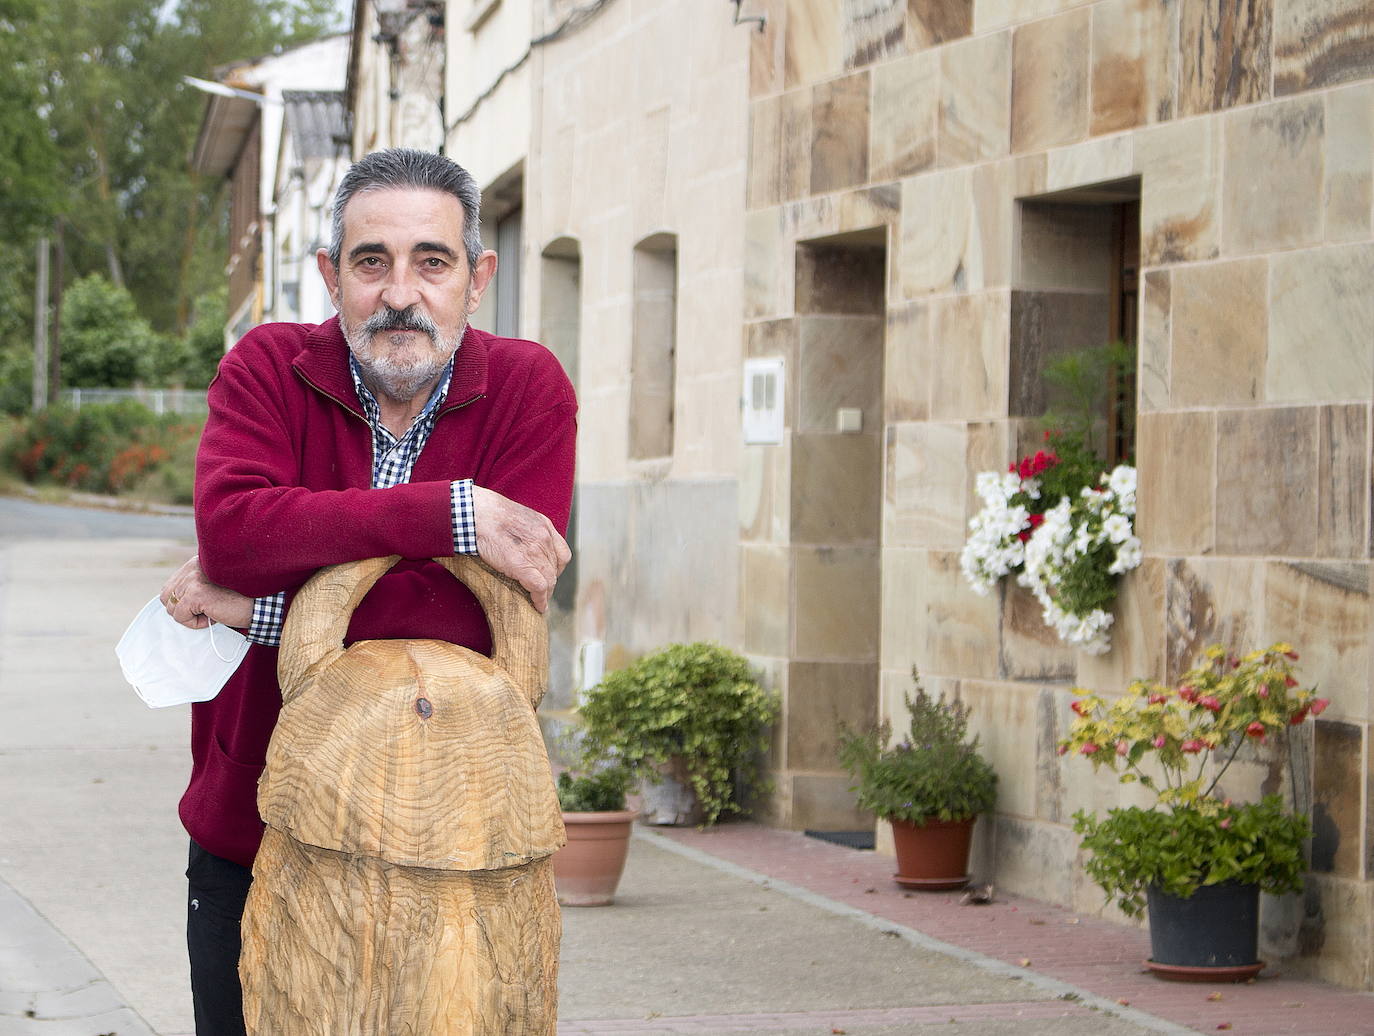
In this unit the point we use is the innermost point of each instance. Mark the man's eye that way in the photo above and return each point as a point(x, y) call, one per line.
point(370, 260)
point(433, 263)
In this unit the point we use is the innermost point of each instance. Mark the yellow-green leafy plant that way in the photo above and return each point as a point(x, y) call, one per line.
point(1179, 742)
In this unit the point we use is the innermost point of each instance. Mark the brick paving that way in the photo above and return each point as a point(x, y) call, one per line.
point(1098, 956)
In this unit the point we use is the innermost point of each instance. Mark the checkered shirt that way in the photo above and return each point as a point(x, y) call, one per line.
point(393, 460)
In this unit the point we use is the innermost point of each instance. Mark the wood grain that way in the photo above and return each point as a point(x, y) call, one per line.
point(404, 884)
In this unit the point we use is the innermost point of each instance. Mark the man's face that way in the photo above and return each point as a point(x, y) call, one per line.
point(403, 288)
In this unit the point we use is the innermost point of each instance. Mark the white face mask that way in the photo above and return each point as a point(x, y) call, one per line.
point(171, 664)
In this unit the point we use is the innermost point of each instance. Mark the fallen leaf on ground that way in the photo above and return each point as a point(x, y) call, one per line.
point(1123, 1001)
point(1223, 1025)
point(1213, 996)
point(1024, 962)
point(1294, 1003)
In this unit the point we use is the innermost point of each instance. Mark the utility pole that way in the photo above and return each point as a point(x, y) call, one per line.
point(40, 329)
point(55, 352)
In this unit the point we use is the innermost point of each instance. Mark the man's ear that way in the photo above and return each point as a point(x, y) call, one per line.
point(330, 275)
point(482, 274)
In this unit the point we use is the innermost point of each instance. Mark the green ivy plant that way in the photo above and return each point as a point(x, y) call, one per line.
point(935, 772)
point(699, 702)
point(1192, 733)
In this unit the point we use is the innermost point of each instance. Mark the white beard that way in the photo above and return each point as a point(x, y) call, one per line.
point(406, 367)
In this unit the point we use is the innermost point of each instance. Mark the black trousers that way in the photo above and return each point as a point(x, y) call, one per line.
point(216, 890)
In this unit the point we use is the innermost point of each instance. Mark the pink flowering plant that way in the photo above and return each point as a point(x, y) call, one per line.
point(1179, 742)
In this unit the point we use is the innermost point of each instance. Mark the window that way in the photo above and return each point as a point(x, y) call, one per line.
point(1077, 293)
point(654, 346)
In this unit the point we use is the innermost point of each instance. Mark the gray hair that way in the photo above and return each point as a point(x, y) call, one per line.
point(405, 167)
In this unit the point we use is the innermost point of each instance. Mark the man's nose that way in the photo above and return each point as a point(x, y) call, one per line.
point(402, 288)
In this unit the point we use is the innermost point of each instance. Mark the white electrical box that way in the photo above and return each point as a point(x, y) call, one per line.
point(763, 395)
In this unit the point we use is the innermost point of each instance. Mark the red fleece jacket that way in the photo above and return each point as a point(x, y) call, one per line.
point(283, 487)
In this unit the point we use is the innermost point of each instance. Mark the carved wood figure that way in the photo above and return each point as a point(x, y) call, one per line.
point(404, 884)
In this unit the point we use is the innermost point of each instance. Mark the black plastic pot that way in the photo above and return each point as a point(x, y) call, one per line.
point(1215, 928)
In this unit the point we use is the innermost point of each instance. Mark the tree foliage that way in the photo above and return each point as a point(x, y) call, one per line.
point(96, 126)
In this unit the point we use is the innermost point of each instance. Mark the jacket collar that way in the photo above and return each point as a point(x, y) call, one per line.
point(323, 364)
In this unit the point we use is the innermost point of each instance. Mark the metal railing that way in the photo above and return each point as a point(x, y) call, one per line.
point(160, 401)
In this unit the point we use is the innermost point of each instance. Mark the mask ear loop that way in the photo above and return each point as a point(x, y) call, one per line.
point(222, 658)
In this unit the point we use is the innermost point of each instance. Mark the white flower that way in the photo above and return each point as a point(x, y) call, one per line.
point(1117, 527)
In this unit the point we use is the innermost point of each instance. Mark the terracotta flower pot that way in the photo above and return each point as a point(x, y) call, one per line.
point(934, 856)
point(587, 870)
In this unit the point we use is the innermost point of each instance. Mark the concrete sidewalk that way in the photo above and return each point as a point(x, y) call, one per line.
point(740, 929)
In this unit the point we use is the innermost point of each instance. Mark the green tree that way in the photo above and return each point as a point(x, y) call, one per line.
point(123, 123)
point(105, 343)
point(28, 157)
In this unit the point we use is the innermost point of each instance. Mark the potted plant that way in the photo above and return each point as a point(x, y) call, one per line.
point(1197, 859)
point(930, 787)
point(690, 710)
point(1056, 519)
point(586, 871)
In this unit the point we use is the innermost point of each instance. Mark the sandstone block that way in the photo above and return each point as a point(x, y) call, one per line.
point(1337, 816)
point(767, 605)
point(835, 480)
point(932, 22)
point(1152, 351)
point(813, 49)
point(839, 133)
point(1272, 197)
point(1176, 463)
point(1266, 481)
point(1320, 324)
point(906, 392)
point(1209, 601)
point(836, 602)
point(872, 30)
point(1220, 328)
point(1137, 634)
point(940, 249)
point(1321, 43)
point(1003, 716)
point(1030, 650)
point(926, 484)
point(1093, 161)
point(1225, 54)
point(1049, 82)
point(975, 76)
point(767, 268)
point(1180, 204)
point(1349, 190)
point(1343, 482)
point(969, 347)
point(794, 174)
point(765, 152)
point(905, 116)
point(764, 492)
point(840, 365)
point(821, 696)
point(1323, 610)
point(1134, 64)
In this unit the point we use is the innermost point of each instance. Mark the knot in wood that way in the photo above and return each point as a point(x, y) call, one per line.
point(424, 708)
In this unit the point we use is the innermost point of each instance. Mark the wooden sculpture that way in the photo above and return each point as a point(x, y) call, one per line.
point(404, 884)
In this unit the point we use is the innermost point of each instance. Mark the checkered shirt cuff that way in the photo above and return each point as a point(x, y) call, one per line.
point(464, 520)
point(268, 615)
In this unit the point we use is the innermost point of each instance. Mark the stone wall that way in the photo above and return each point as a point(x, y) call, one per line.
point(638, 138)
point(973, 143)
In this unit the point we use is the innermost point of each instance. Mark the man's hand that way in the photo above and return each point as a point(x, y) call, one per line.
point(194, 601)
point(520, 543)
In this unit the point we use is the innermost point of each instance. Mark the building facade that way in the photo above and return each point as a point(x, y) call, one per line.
point(943, 194)
point(806, 262)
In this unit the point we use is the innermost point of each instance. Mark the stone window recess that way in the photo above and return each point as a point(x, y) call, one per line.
point(654, 347)
point(1076, 288)
point(507, 283)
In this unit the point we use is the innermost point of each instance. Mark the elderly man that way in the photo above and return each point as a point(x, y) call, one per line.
point(394, 428)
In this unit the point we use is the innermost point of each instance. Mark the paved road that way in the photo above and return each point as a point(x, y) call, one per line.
point(91, 854)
